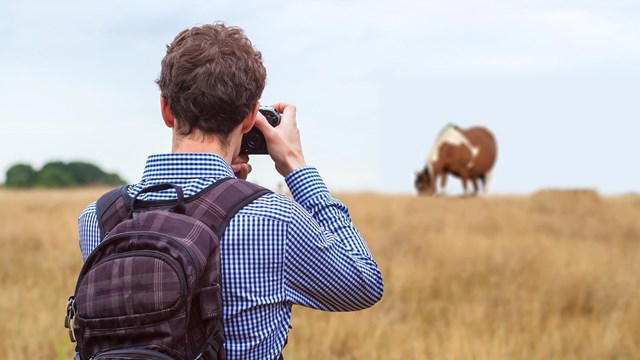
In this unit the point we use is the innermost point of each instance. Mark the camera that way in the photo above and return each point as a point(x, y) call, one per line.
point(253, 141)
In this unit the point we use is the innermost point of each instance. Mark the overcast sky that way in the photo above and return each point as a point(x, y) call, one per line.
point(374, 81)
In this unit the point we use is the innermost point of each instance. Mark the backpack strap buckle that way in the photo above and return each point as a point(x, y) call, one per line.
point(72, 310)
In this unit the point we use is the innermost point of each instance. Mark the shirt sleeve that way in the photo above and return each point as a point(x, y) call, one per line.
point(88, 230)
point(327, 263)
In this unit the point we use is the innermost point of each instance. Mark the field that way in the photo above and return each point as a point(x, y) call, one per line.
point(554, 275)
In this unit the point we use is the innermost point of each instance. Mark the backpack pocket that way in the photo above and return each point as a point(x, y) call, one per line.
point(143, 285)
point(132, 299)
point(131, 354)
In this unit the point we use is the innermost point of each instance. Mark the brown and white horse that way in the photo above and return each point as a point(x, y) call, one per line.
point(466, 153)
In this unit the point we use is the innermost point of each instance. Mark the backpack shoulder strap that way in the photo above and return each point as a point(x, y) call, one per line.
point(216, 205)
point(104, 204)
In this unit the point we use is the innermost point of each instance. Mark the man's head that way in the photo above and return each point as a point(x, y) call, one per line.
point(211, 78)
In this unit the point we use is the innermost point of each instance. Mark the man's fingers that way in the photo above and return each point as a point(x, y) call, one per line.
point(241, 170)
point(288, 111)
point(244, 158)
point(240, 167)
point(283, 141)
point(263, 125)
point(280, 106)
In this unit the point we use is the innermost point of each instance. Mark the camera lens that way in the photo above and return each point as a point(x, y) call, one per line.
point(254, 141)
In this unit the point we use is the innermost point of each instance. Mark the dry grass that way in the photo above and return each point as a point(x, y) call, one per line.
point(552, 276)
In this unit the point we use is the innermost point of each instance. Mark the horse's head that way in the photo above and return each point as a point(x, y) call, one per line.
point(424, 182)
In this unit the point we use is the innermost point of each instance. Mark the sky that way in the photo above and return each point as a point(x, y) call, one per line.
point(373, 82)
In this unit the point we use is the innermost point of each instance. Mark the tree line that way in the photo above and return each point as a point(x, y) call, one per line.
point(58, 174)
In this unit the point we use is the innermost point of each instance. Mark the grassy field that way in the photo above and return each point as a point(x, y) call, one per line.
point(555, 275)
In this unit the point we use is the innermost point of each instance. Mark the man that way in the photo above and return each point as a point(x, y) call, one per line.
point(275, 252)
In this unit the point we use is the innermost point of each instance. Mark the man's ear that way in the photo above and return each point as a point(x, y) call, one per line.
point(250, 120)
point(167, 115)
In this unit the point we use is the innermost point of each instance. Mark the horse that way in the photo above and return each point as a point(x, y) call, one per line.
point(466, 153)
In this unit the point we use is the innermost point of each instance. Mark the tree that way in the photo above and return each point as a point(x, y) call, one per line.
point(58, 174)
point(88, 174)
point(54, 174)
point(20, 176)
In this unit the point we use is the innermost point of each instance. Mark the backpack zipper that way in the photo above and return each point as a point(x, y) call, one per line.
point(160, 235)
point(144, 354)
point(154, 254)
point(109, 239)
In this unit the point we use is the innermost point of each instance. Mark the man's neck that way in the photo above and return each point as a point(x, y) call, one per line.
point(198, 144)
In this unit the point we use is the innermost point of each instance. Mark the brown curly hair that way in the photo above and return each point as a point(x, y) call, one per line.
point(211, 77)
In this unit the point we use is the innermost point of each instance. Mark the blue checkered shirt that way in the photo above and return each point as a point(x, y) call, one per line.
point(275, 252)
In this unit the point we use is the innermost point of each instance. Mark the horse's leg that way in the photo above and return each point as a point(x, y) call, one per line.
point(437, 171)
point(443, 183)
point(463, 178)
point(434, 182)
point(485, 181)
point(474, 181)
point(482, 180)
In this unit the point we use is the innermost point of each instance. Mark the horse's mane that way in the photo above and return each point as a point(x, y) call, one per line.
point(445, 128)
point(437, 143)
point(440, 134)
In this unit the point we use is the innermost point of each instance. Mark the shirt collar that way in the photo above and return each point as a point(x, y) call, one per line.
point(186, 166)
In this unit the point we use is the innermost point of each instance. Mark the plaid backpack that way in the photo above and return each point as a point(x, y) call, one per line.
point(152, 288)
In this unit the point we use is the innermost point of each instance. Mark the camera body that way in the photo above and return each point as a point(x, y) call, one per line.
point(253, 142)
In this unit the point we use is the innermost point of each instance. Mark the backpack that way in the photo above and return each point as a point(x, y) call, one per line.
point(152, 288)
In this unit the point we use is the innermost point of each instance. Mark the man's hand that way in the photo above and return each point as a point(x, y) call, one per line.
point(283, 141)
point(241, 167)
